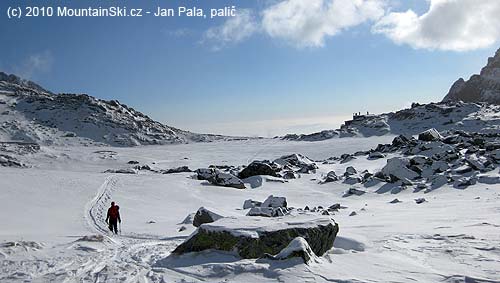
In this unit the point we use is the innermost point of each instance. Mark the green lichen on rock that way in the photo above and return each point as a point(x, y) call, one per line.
point(320, 238)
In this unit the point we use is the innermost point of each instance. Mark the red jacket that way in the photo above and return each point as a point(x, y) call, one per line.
point(113, 213)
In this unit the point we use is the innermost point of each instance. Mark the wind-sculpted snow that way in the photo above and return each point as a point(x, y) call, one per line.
point(430, 233)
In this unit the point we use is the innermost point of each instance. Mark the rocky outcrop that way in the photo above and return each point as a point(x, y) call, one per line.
point(260, 168)
point(9, 161)
point(218, 178)
point(484, 87)
point(204, 215)
point(430, 135)
point(298, 162)
point(271, 207)
point(182, 169)
point(252, 237)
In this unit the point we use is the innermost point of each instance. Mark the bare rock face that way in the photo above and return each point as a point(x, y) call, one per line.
point(252, 237)
point(484, 87)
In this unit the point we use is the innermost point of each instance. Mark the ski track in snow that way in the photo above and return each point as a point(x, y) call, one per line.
point(121, 258)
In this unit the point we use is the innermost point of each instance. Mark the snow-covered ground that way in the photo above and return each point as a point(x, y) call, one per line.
point(47, 208)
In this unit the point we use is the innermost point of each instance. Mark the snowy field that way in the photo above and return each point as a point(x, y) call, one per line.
point(46, 210)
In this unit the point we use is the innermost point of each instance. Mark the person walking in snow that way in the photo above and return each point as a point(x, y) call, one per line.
point(113, 217)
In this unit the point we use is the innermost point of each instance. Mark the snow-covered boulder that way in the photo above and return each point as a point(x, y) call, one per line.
point(344, 158)
point(330, 177)
point(488, 179)
point(478, 162)
point(430, 135)
point(275, 202)
point(205, 173)
point(227, 180)
point(289, 174)
point(204, 215)
point(251, 204)
point(259, 168)
point(438, 181)
point(252, 237)
point(353, 179)
point(420, 200)
point(298, 247)
point(464, 182)
point(182, 169)
point(267, 211)
point(402, 140)
point(122, 171)
point(353, 191)
point(495, 154)
point(217, 178)
point(9, 161)
point(350, 171)
point(299, 162)
point(396, 168)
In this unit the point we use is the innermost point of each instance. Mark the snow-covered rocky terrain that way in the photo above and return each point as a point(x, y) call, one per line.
point(373, 206)
point(29, 113)
point(423, 210)
point(471, 105)
point(443, 116)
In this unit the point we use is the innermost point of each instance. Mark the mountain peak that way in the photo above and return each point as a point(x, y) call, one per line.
point(15, 84)
point(484, 87)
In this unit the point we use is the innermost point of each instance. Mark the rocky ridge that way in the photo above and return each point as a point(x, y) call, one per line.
point(29, 113)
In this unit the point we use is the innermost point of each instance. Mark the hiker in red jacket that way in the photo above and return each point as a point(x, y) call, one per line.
point(113, 217)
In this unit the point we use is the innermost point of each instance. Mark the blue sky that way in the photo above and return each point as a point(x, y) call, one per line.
point(254, 76)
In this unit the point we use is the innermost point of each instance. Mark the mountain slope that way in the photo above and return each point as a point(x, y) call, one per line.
point(484, 87)
point(443, 116)
point(29, 113)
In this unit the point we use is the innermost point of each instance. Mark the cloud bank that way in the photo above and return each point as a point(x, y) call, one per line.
point(456, 25)
point(308, 23)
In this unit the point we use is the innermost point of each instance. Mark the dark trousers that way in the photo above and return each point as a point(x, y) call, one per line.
point(113, 225)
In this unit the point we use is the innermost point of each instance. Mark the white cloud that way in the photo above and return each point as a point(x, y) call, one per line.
point(234, 30)
point(457, 25)
point(35, 63)
point(308, 23)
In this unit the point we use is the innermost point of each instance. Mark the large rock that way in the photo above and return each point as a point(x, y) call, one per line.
point(182, 169)
point(299, 162)
point(9, 161)
point(267, 212)
point(396, 169)
point(204, 215)
point(205, 173)
point(430, 135)
point(275, 202)
point(227, 180)
point(330, 177)
point(252, 237)
point(215, 177)
point(259, 168)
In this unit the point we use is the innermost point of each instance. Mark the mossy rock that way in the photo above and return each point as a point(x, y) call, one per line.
point(274, 234)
